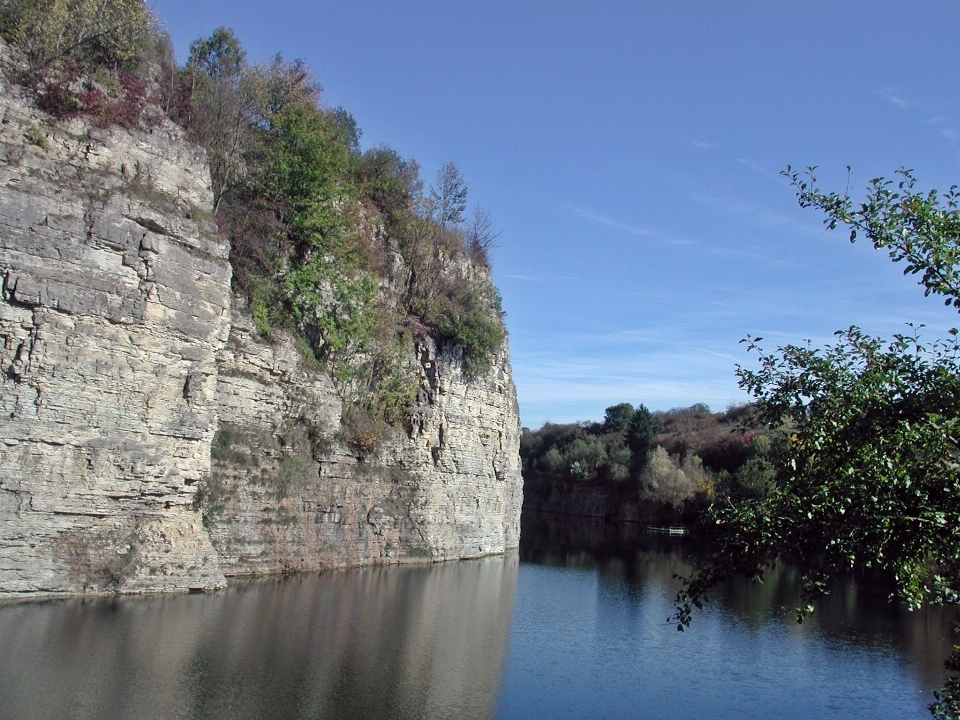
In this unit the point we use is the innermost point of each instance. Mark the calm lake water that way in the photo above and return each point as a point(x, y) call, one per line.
point(572, 627)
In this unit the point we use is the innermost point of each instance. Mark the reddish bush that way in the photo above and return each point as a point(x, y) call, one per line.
point(56, 98)
point(56, 94)
point(124, 110)
point(93, 102)
point(719, 439)
point(54, 91)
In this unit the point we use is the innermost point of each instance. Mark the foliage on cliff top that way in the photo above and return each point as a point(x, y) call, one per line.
point(90, 33)
point(96, 58)
point(342, 247)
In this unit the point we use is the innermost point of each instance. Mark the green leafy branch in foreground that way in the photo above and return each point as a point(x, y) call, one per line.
point(870, 474)
point(922, 230)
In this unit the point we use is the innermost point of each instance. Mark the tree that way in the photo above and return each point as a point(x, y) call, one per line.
point(219, 110)
point(449, 195)
point(482, 235)
point(348, 126)
point(869, 476)
point(278, 84)
point(219, 55)
point(617, 417)
point(668, 479)
point(640, 432)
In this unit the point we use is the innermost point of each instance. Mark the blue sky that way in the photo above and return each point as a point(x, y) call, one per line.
point(630, 152)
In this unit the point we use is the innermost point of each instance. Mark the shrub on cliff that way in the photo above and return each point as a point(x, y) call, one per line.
point(316, 227)
point(86, 56)
point(389, 182)
point(88, 33)
point(468, 314)
point(342, 247)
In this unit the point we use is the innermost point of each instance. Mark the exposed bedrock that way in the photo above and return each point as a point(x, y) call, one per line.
point(150, 440)
point(115, 301)
point(286, 495)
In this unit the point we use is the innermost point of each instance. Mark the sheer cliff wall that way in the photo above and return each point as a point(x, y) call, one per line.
point(115, 302)
point(286, 495)
point(151, 441)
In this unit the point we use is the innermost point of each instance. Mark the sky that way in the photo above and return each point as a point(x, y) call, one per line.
point(630, 153)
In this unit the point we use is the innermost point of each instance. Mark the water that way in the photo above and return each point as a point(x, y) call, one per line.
point(575, 627)
point(590, 639)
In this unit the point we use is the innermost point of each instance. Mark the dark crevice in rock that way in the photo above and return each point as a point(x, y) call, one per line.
point(152, 225)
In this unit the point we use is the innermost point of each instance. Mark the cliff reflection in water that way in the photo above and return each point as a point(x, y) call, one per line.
point(856, 616)
point(422, 642)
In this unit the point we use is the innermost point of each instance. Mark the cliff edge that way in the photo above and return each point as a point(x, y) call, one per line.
point(153, 440)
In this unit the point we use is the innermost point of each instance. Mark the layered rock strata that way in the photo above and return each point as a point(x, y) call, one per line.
point(115, 301)
point(124, 371)
point(287, 495)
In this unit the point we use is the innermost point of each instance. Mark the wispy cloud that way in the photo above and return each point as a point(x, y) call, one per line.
point(700, 144)
point(606, 221)
point(540, 277)
point(674, 357)
point(565, 389)
point(893, 96)
point(761, 216)
point(723, 355)
point(760, 169)
point(947, 127)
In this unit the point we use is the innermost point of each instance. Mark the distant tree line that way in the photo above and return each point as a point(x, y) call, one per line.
point(343, 247)
point(682, 458)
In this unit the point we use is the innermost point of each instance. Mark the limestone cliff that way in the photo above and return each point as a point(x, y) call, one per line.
point(285, 495)
point(115, 303)
point(123, 365)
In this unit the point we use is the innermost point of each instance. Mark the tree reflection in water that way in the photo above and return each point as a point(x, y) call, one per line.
point(575, 627)
point(854, 624)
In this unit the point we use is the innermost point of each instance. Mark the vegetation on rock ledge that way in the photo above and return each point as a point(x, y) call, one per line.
point(341, 247)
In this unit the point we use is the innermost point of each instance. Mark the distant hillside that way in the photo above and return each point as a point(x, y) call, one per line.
point(646, 466)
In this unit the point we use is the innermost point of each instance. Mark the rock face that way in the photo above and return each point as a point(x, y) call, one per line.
point(115, 302)
point(285, 495)
point(124, 369)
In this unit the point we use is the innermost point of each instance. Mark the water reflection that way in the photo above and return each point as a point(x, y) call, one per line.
point(612, 588)
point(422, 642)
point(584, 607)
